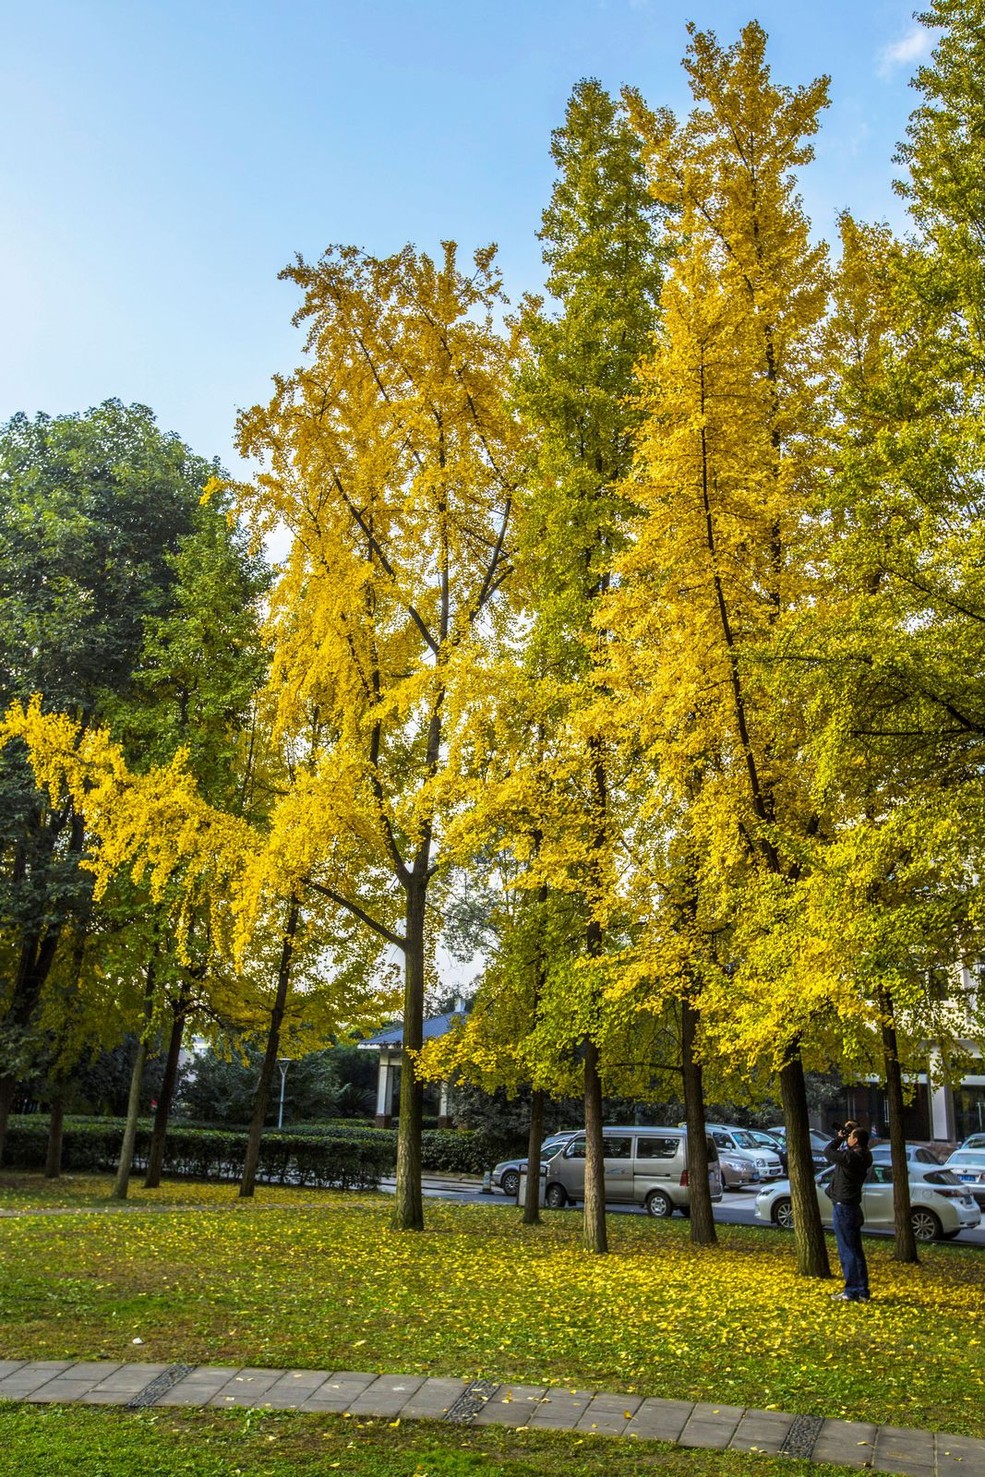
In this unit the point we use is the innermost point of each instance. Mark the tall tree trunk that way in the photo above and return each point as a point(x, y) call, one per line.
point(8, 1087)
point(122, 1181)
point(702, 1214)
point(535, 1138)
point(56, 1124)
point(408, 1209)
point(811, 1248)
point(906, 1241)
point(594, 1234)
point(155, 1160)
point(247, 1184)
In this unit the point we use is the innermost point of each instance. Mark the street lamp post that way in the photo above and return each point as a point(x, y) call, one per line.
point(283, 1063)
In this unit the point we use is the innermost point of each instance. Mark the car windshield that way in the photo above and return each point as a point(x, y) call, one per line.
point(744, 1139)
point(974, 1158)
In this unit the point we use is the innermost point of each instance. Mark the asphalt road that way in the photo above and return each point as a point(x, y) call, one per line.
point(737, 1207)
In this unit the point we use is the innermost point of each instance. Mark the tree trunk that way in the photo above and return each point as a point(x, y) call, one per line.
point(811, 1248)
point(8, 1087)
point(408, 1209)
point(531, 1203)
point(260, 1103)
point(594, 1234)
point(122, 1181)
point(155, 1160)
point(56, 1123)
point(906, 1242)
point(702, 1214)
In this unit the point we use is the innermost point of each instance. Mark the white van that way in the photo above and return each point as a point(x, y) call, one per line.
point(643, 1166)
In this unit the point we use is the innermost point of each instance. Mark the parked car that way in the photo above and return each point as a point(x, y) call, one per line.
point(736, 1172)
point(915, 1154)
point(819, 1142)
point(643, 1166)
point(740, 1143)
point(767, 1140)
point(506, 1175)
point(969, 1166)
point(976, 1141)
point(939, 1211)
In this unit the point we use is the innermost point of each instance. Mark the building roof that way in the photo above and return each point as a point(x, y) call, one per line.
point(435, 1025)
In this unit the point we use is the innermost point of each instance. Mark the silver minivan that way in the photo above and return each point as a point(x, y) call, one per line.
point(643, 1166)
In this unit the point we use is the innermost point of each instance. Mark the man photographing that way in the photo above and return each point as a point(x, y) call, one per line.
point(849, 1153)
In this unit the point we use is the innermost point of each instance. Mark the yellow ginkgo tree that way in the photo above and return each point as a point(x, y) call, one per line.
point(726, 477)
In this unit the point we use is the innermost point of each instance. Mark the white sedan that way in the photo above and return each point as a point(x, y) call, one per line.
point(939, 1211)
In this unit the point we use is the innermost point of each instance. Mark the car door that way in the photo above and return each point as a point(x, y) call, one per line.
point(877, 1196)
point(618, 1150)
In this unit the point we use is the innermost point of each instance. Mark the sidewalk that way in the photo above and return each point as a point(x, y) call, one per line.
point(906, 1452)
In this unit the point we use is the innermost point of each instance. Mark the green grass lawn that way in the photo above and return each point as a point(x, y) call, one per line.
point(318, 1280)
point(86, 1442)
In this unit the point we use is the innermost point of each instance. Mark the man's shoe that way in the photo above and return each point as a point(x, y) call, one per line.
point(843, 1297)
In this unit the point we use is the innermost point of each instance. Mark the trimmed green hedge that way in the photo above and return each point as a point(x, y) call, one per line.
point(345, 1159)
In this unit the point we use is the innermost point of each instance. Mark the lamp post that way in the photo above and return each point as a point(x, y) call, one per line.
point(283, 1063)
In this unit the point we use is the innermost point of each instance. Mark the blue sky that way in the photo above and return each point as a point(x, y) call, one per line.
point(161, 160)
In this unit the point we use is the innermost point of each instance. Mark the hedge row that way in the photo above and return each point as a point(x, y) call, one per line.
point(336, 1158)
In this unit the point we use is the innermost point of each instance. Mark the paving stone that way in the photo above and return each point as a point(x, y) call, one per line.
point(900, 1449)
point(31, 1376)
point(130, 1379)
point(562, 1409)
point(386, 1397)
point(58, 1391)
point(761, 1430)
point(8, 1366)
point(608, 1415)
point(660, 1420)
point(199, 1387)
point(96, 1369)
point(846, 1443)
point(294, 1387)
point(512, 1405)
point(711, 1426)
point(960, 1454)
point(246, 1387)
point(434, 1399)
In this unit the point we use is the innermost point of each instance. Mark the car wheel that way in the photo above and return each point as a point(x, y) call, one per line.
point(510, 1183)
point(556, 1197)
point(658, 1204)
point(926, 1225)
point(782, 1213)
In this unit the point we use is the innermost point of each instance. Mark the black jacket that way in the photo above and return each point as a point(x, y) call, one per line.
point(851, 1167)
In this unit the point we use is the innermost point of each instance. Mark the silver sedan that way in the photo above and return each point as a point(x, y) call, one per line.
point(939, 1211)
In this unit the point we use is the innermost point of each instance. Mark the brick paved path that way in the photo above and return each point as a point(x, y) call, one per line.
point(907, 1452)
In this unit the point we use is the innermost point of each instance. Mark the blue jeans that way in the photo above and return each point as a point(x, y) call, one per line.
point(848, 1220)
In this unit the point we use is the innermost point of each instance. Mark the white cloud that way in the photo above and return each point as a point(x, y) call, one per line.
point(916, 44)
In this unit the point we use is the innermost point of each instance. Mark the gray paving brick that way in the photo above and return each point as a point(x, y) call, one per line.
point(434, 1398)
point(512, 1405)
point(711, 1426)
point(902, 1450)
point(129, 1379)
point(846, 1443)
point(8, 1366)
point(962, 1454)
point(246, 1388)
point(58, 1392)
point(761, 1430)
point(660, 1420)
point(95, 1369)
point(561, 1409)
point(30, 1377)
point(198, 1387)
point(293, 1387)
point(609, 1415)
point(386, 1397)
